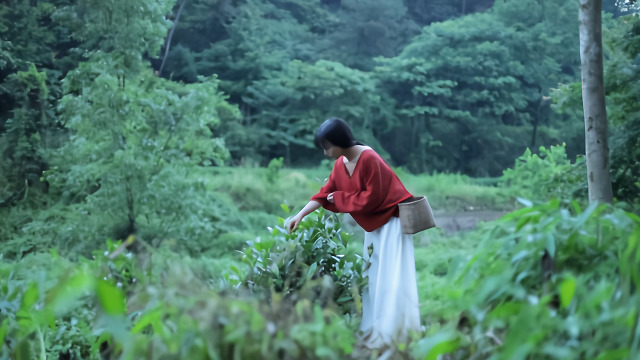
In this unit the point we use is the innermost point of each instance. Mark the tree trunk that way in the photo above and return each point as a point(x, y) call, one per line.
point(593, 102)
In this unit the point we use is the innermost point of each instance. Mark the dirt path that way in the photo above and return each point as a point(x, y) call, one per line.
point(452, 222)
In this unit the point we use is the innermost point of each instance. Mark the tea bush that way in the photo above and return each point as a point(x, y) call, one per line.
point(155, 304)
point(547, 175)
point(316, 254)
point(549, 281)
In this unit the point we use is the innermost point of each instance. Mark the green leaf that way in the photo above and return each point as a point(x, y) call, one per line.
point(152, 317)
point(285, 208)
point(24, 351)
point(3, 330)
point(551, 245)
point(111, 298)
point(617, 354)
point(30, 297)
point(62, 295)
point(437, 345)
point(312, 270)
point(567, 291)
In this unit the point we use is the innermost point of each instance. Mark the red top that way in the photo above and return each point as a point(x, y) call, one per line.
point(371, 194)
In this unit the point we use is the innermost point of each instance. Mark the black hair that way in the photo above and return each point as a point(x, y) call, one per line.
point(336, 132)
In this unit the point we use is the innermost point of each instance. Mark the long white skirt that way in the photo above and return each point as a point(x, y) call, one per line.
point(390, 308)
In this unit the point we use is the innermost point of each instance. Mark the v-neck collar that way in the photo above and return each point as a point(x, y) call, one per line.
point(355, 166)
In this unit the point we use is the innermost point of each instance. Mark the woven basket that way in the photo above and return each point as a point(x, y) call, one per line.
point(416, 215)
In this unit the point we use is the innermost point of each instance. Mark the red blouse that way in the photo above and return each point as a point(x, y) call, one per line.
point(371, 194)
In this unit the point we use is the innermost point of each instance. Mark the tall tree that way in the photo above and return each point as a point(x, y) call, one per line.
point(472, 91)
point(621, 46)
point(593, 101)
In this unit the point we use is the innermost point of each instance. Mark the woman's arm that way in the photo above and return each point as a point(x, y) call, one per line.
point(308, 209)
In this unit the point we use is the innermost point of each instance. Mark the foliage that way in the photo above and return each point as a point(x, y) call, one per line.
point(124, 174)
point(273, 169)
point(26, 134)
point(97, 146)
point(499, 103)
point(471, 107)
point(262, 37)
point(134, 139)
point(368, 28)
point(546, 176)
point(621, 82)
point(315, 254)
point(34, 52)
point(291, 102)
point(426, 12)
point(554, 265)
point(114, 307)
point(620, 41)
point(491, 85)
point(570, 271)
point(457, 192)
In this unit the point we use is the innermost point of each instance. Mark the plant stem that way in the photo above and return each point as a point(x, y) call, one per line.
point(636, 339)
point(43, 352)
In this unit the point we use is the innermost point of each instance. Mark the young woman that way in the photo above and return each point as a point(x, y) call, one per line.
point(363, 185)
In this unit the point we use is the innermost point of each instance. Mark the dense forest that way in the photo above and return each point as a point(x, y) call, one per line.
point(152, 149)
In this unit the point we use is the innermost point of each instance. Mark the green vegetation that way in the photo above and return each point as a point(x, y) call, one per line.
point(143, 205)
point(297, 294)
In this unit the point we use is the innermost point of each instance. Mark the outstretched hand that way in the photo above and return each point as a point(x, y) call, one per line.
point(294, 223)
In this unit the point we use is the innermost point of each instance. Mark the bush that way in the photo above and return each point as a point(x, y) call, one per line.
point(119, 305)
point(550, 281)
point(315, 258)
point(548, 175)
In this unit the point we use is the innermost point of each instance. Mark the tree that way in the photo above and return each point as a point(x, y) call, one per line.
point(593, 102)
point(368, 28)
point(472, 91)
point(621, 42)
point(135, 141)
point(292, 102)
point(35, 51)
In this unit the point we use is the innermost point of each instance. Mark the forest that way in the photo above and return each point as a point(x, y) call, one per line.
point(152, 151)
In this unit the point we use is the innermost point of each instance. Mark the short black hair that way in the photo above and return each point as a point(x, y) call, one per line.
point(336, 132)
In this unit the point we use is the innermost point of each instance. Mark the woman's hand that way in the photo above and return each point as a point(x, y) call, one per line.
point(294, 223)
point(330, 198)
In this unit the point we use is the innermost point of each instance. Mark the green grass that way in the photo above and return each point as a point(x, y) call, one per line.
point(438, 258)
point(258, 189)
point(457, 192)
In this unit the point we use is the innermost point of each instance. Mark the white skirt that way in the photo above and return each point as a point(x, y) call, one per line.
point(390, 308)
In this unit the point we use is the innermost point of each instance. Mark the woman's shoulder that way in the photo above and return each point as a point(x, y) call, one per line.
point(370, 156)
point(369, 153)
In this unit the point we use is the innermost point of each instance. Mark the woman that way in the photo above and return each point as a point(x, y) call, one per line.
point(363, 185)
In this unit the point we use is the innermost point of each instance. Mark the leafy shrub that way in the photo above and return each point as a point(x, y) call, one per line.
point(121, 305)
point(316, 254)
point(550, 281)
point(546, 176)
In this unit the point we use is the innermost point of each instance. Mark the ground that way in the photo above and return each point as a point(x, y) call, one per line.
point(451, 222)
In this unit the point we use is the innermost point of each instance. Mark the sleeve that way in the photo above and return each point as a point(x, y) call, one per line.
point(327, 189)
point(371, 195)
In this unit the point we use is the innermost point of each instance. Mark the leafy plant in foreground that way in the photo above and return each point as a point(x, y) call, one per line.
point(552, 281)
point(315, 255)
point(85, 311)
